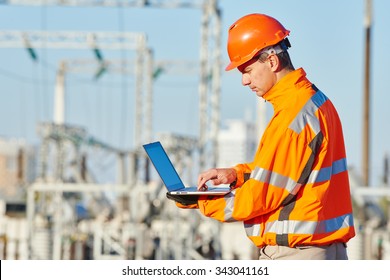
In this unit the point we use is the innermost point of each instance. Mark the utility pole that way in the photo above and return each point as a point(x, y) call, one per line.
point(366, 99)
point(367, 232)
point(385, 180)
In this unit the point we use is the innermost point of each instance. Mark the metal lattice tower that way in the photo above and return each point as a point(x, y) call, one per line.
point(210, 62)
point(86, 40)
point(209, 92)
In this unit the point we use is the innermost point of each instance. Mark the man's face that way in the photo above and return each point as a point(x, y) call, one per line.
point(258, 76)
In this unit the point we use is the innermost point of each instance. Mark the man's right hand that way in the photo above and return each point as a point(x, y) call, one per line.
point(217, 176)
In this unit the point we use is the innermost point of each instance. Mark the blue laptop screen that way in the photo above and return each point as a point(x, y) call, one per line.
point(163, 166)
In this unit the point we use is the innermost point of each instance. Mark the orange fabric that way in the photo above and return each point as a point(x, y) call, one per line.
point(296, 190)
point(191, 206)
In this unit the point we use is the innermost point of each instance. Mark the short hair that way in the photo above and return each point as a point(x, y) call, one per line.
point(285, 60)
point(284, 57)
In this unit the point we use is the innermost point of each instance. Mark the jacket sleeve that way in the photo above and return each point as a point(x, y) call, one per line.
point(243, 172)
point(277, 174)
point(186, 206)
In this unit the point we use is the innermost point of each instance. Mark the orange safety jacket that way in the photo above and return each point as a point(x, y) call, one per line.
point(296, 190)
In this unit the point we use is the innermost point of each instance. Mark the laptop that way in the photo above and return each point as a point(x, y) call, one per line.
point(171, 178)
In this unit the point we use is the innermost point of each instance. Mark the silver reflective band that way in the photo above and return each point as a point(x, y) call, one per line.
point(272, 50)
point(252, 229)
point(228, 212)
point(302, 227)
point(275, 179)
point(310, 227)
point(307, 114)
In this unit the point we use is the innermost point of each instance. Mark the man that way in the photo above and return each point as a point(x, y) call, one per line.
point(294, 197)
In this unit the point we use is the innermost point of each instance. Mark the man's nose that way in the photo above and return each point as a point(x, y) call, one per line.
point(245, 80)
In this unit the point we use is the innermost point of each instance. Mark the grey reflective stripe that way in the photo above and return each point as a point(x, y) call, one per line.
point(275, 179)
point(228, 211)
point(252, 229)
point(307, 114)
point(288, 226)
point(324, 174)
point(310, 227)
point(302, 227)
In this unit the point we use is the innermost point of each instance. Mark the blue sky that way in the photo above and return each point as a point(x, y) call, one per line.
point(327, 40)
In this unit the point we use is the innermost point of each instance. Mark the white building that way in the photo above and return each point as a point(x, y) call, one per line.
point(237, 143)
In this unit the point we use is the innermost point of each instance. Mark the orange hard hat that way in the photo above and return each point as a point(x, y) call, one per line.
point(251, 33)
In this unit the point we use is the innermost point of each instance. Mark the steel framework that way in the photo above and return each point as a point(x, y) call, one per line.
point(210, 61)
point(209, 66)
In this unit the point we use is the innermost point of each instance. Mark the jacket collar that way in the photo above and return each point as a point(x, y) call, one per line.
point(280, 94)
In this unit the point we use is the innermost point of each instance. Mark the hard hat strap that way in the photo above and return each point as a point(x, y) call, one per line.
point(276, 49)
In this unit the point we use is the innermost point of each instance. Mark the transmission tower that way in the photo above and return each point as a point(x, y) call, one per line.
point(210, 61)
point(209, 66)
point(83, 40)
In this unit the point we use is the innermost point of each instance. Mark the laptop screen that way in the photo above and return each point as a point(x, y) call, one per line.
point(164, 166)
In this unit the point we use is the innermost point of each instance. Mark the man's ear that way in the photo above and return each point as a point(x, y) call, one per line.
point(273, 61)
